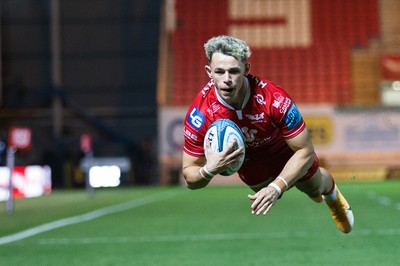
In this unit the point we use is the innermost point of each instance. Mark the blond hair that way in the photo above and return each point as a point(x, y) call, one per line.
point(227, 45)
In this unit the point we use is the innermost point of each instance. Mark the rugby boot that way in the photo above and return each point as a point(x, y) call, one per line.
point(342, 214)
point(317, 199)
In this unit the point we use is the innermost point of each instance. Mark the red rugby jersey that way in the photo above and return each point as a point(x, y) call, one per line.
point(268, 117)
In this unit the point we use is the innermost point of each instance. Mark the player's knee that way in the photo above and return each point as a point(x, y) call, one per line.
point(311, 191)
point(315, 186)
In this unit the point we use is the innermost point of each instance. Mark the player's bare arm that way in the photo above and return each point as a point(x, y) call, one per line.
point(193, 167)
point(294, 169)
point(191, 171)
point(301, 160)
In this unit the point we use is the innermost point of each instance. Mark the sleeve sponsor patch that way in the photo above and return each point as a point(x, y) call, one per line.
point(292, 117)
point(188, 134)
point(196, 118)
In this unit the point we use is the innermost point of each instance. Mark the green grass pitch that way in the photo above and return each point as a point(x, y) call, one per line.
point(211, 226)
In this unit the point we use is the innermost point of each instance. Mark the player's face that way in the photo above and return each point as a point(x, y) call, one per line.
point(228, 75)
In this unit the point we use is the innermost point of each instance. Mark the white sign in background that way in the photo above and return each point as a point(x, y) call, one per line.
point(375, 130)
point(170, 133)
point(359, 130)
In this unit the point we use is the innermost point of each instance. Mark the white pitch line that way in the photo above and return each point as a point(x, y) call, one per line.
point(85, 217)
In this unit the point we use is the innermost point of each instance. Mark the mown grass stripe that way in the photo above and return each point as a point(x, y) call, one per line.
point(87, 216)
point(204, 237)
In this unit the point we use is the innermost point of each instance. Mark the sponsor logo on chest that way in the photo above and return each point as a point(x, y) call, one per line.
point(256, 118)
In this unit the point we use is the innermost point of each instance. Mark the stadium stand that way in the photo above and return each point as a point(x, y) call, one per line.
point(318, 73)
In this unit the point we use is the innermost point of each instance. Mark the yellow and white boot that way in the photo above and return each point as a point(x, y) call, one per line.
point(342, 214)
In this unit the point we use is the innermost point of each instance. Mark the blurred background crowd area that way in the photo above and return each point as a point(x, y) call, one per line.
point(123, 72)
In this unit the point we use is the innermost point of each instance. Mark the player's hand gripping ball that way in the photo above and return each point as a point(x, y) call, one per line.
point(221, 133)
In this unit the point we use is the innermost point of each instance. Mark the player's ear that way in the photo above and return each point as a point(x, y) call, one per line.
point(246, 68)
point(208, 70)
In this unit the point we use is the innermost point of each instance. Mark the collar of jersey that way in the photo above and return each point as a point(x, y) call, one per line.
point(246, 98)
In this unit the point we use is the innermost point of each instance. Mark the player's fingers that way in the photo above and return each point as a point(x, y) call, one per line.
point(259, 204)
point(255, 200)
point(263, 207)
point(267, 209)
point(232, 146)
point(251, 197)
point(233, 143)
point(238, 152)
point(233, 157)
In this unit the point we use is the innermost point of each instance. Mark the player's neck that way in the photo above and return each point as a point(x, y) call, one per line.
point(238, 104)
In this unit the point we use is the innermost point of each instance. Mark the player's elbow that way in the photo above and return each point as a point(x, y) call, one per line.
point(192, 183)
point(193, 186)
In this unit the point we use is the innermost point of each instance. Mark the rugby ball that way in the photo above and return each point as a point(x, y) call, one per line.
point(221, 133)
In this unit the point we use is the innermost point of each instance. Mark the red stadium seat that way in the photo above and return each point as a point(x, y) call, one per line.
point(315, 74)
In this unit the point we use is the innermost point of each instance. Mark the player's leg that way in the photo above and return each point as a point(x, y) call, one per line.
point(321, 185)
point(318, 184)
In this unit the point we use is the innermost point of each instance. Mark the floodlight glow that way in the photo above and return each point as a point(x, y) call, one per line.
point(104, 176)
